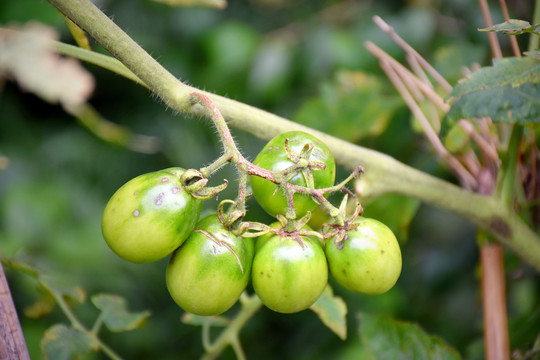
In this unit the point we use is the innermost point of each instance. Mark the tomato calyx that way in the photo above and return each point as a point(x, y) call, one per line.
point(339, 231)
point(195, 183)
point(294, 229)
point(232, 220)
point(303, 164)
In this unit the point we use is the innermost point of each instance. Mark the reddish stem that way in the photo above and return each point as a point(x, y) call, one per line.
point(12, 343)
point(494, 303)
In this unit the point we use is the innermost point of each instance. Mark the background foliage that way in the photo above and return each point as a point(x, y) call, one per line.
point(301, 59)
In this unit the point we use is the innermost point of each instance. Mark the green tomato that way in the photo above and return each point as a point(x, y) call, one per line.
point(368, 260)
point(273, 157)
point(287, 276)
point(150, 216)
point(209, 272)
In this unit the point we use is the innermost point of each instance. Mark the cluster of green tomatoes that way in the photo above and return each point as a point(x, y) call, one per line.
point(155, 215)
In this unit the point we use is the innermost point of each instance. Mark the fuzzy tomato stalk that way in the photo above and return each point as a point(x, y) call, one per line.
point(150, 216)
point(273, 157)
point(288, 276)
point(367, 260)
point(208, 273)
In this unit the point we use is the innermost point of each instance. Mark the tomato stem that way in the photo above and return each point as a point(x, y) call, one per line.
point(229, 336)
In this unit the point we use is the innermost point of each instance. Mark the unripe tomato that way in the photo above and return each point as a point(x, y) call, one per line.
point(150, 216)
point(287, 276)
point(208, 273)
point(273, 157)
point(368, 260)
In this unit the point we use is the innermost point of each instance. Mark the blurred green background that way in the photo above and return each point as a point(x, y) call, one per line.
point(300, 59)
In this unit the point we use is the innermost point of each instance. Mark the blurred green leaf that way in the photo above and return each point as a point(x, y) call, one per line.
point(355, 105)
point(387, 338)
point(197, 320)
point(395, 211)
point(508, 91)
point(116, 315)
point(230, 47)
point(63, 343)
point(457, 139)
point(513, 27)
point(450, 59)
point(271, 68)
point(332, 311)
point(41, 307)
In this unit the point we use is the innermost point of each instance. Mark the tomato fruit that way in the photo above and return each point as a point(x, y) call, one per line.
point(273, 157)
point(207, 274)
point(367, 260)
point(287, 276)
point(150, 216)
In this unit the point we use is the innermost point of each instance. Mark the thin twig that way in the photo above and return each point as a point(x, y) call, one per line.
point(410, 50)
point(468, 180)
point(403, 71)
point(493, 40)
point(471, 162)
point(417, 68)
point(513, 40)
point(488, 149)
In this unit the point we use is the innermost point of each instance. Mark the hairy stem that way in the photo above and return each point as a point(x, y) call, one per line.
point(383, 174)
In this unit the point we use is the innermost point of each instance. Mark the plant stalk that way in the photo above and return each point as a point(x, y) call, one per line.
point(12, 343)
point(229, 336)
point(494, 303)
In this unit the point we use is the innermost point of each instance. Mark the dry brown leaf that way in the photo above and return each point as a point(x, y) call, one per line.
point(26, 56)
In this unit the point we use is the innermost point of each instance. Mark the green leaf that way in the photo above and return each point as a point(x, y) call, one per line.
point(387, 338)
point(62, 343)
point(508, 91)
point(116, 315)
point(197, 320)
point(332, 311)
point(354, 106)
point(511, 71)
point(507, 104)
point(513, 27)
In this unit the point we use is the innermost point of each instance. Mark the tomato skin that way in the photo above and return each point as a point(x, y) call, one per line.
point(273, 157)
point(368, 260)
point(205, 278)
point(286, 277)
point(150, 216)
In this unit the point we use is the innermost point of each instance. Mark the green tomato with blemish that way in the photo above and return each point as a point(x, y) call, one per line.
point(289, 275)
point(209, 272)
point(367, 260)
point(150, 216)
